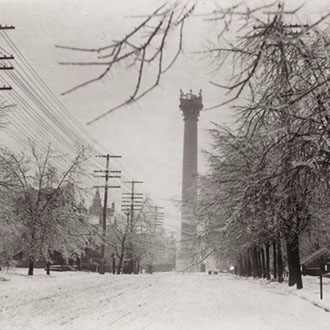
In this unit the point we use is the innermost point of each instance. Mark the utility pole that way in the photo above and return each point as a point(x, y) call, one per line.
point(106, 187)
point(131, 202)
point(6, 57)
point(157, 218)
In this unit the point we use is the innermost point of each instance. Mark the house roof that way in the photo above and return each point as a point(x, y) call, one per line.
point(317, 254)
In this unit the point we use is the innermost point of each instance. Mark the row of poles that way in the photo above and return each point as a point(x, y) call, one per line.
point(131, 202)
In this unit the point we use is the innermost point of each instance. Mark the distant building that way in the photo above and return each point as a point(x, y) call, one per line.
point(92, 257)
point(95, 212)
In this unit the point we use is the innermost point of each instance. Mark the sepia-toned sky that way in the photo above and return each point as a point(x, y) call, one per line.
point(149, 134)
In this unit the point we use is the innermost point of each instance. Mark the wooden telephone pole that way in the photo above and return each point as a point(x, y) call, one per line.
point(5, 57)
point(133, 202)
point(106, 187)
point(156, 218)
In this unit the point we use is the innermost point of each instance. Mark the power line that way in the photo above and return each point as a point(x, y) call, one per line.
point(64, 111)
point(42, 117)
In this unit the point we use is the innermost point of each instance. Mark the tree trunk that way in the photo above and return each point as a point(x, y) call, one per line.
point(298, 270)
point(292, 275)
point(122, 254)
point(48, 268)
point(274, 260)
point(243, 271)
point(238, 266)
point(280, 267)
point(79, 263)
point(259, 264)
point(245, 266)
point(248, 264)
point(31, 266)
point(254, 262)
point(294, 262)
point(138, 267)
point(113, 265)
point(120, 264)
point(262, 252)
point(253, 273)
point(267, 261)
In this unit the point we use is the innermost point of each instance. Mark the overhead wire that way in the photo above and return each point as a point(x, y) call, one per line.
point(43, 99)
point(48, 91)
point(52, 95)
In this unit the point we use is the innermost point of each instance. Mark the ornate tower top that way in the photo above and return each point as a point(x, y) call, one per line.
point(191, 105)
point(96, 207)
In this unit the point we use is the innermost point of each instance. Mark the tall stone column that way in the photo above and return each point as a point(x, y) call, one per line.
point(191, 105)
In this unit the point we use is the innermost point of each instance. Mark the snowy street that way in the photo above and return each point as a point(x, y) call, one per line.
point(159, 301)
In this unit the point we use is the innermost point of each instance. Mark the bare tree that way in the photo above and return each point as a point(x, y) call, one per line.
point(41, 202)
point(143, 47)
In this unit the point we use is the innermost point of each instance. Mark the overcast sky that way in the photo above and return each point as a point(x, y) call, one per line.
point(148, 135)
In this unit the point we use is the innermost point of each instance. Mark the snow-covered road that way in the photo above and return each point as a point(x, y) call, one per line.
point(165, 301)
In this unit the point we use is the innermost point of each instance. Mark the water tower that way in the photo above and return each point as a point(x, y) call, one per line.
point(190, 105)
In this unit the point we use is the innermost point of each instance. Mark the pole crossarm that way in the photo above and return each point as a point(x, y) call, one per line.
point(108, 156)
point(136, 194)
point(136, 199)
point(109, 176)
point(6, 67)
point(7, 27)
point(7, 57)
point(107, 187)
point(5, 88)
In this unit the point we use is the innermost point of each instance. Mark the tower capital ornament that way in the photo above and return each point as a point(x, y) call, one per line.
point(191, 105)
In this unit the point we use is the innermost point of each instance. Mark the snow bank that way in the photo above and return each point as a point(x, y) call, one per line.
point(310, 292)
